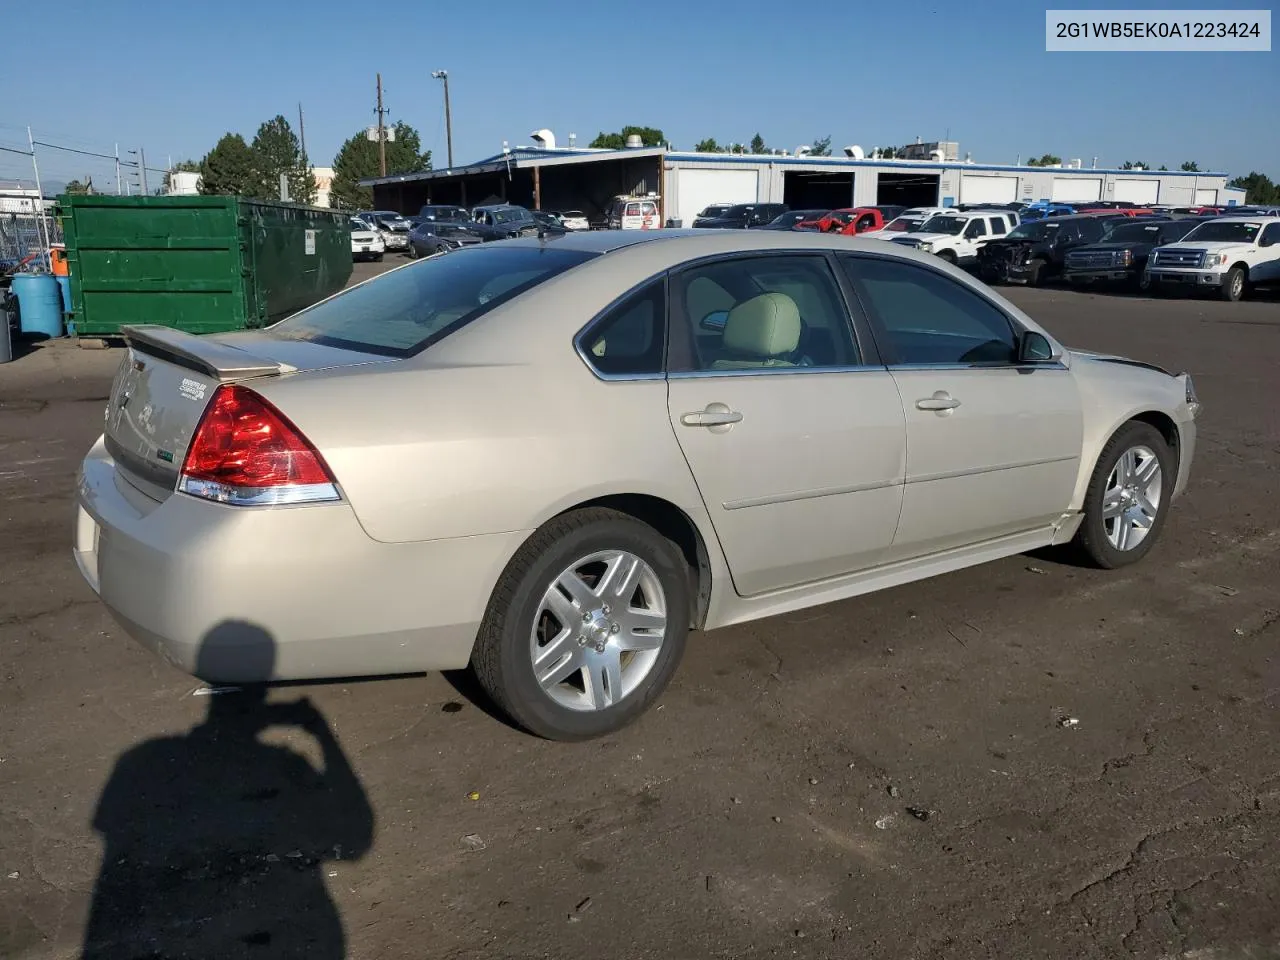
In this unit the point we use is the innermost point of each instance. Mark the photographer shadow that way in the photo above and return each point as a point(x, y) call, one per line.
point(216, 844)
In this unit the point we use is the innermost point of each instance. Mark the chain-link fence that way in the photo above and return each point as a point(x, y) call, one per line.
point(22, 238)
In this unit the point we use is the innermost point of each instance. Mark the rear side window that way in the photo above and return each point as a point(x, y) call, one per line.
point(629, 339)
point(407, 310)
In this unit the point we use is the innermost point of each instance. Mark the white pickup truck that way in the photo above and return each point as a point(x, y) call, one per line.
point(1226, 255)
point(957, 237)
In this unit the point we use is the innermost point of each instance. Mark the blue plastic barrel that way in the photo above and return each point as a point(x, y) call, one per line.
point(64, 287)
point(39, 304)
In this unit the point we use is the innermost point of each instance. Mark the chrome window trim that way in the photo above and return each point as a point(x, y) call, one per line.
point(579, 338)
point(1028, 366)
point(772, 371)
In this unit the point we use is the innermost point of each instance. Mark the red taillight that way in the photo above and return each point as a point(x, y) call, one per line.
point(246, 452)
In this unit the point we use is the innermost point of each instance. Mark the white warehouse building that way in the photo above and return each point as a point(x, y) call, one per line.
point(557, 178)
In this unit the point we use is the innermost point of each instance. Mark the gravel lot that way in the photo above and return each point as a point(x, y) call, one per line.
point(764, 809)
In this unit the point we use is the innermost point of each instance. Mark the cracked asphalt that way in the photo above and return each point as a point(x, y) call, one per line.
point(884, 777)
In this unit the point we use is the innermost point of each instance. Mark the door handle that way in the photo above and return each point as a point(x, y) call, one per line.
point(941, 401)
point(715, 415)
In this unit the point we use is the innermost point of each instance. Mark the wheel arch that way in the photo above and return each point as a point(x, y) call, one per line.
point(677, 526)
point(1152, 416)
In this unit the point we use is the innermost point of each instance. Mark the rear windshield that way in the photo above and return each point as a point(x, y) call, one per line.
point(407, 310)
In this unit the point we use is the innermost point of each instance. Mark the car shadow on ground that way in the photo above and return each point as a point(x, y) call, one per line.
point(215, 843)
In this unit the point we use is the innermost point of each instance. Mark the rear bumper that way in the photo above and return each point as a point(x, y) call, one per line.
point(238, 595)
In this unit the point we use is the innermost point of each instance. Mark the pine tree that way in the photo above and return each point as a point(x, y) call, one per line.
point(276, 151)
point(358, 159)
point(227, 169)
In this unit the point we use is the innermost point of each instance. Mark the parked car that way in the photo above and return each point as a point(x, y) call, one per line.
point(957, 237)
point(391, 226)
point(1119, 211)
point(502, 221)
point(1034, 251)
point(742, 216)
point(788, 220)
point(848, 221)
point(575, 220)
point(634, 213)
point(430, 237)
point(549, 221)
point(1121, 255)
point(1225, 255)
point(366, 242)
point(712, 211)
point(571, 598)
point(445, 213)
point(899, 226)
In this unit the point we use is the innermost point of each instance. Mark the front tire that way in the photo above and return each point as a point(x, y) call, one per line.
point(1233, 285)
point(586, 625)
point(1128, 497)
point(1035, 273)
point(948, 256)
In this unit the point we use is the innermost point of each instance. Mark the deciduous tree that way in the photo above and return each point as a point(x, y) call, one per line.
point(649, 136)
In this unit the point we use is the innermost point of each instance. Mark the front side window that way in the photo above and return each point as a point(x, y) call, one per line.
point(976, 228)
point(629, 339)
point(929, 318)
point(757, 313)
point(1270, 234)
point(406, 310)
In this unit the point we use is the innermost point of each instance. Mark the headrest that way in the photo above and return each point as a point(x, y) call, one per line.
point(764, 326)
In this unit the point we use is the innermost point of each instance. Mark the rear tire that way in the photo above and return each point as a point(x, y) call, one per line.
point(524, 636)
point(377, 257)
point(1128, 497)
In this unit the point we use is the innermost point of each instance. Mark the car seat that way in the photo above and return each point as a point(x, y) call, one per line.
point(761, 332)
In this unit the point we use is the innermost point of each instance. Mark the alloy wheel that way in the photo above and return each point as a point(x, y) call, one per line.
point(598, 630)
point(1132, 498)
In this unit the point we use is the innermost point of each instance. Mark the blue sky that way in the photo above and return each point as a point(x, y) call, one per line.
point(174, 78)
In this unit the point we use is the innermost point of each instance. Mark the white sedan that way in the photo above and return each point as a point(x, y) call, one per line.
point(551, 459)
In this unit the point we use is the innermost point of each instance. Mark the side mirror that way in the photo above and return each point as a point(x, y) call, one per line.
point(1035, 348)
point(715, 320)
point(1266, 242)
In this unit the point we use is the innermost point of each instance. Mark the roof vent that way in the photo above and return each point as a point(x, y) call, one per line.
point(854, 152)
point(803, 150)
point(544, 138)
point(634, 142)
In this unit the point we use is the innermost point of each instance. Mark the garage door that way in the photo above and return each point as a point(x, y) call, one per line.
point(1175, 196)
point(999, 189)
point(1137, 191)
point(1206, 198)
point(697, 189)
point(1077, 189)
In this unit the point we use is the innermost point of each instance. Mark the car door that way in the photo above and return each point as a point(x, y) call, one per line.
point(1268, 267)
point(974, 235)
point(993, 446)
point(794, 431)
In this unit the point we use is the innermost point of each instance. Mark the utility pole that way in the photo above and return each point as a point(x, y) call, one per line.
point(44, 227)
point(382, 133)
point(142, 171)
point(448, 117)
point(302, 137)
point(119, 186)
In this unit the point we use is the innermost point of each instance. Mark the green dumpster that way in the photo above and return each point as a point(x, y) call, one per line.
point(201, 264)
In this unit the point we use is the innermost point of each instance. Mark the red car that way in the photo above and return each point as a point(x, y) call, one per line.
point(1120, 211)
point(849, 221)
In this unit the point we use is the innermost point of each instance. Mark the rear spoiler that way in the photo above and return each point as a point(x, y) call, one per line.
point(200, 354)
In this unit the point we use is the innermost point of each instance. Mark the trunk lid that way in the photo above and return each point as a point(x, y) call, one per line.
point(166, 380)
